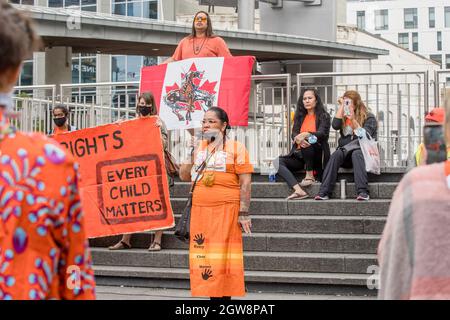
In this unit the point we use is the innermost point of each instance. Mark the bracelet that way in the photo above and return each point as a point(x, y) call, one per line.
point(244, 213)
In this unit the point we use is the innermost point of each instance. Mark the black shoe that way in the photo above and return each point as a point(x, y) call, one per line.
point(363, 197)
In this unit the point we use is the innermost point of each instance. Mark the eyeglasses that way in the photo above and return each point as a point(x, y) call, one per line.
point(145, 105)
point(201, 19)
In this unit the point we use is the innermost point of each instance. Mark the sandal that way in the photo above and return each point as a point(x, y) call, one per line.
point(120, 246)
point(297, 196)
point(155, 246)
point(307, 182)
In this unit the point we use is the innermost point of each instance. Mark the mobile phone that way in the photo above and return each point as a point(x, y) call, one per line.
point(347, 108)
point(434, 141)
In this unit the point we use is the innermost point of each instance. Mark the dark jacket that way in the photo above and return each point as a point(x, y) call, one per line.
point(323, 124)
point(370, 125)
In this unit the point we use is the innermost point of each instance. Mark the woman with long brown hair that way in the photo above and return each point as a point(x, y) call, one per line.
point(202, 42)
point(146, 108)
point(353, 119)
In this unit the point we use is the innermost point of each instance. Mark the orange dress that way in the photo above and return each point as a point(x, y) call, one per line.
point(43, 249)
point(215, 252)
point(210, 47)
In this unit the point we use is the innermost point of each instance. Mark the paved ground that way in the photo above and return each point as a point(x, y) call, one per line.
point(128, 293)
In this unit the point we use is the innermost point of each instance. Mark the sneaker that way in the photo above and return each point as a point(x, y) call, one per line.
point(320, 197)
point(363, 197)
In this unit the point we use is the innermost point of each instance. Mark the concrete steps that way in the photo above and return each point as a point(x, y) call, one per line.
point(253, 260)
point(380, 190)
point(272, 242)
point(291, 282)
point(306, 246)
point(282, 207)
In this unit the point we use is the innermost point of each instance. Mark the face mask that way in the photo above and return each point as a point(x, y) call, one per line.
point(145, 111)
point(6, 100)
point(59, 122)
point(212, 135)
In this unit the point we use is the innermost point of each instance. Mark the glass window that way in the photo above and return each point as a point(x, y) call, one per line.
point(415, 41)
point(55, 3)
point(439, 40)
point(447, 61)
point(447, 17)
point(150, 9)
point(134, 65)
point(437, 58)
point(27, 2)
point(411, 19)
point(403, 40)
point(85, 5)
point(136, 8)
point(88, 69)
point(431, 18)
point(118, 70)
point(381, 19)
point(84, 68)
point(72, 3)
point(150, 61)
point(75, 70)
point(26, 75)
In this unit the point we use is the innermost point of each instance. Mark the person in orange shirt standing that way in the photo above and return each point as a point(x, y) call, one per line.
point(44, 252)
point(220, 209)
point(202, 42)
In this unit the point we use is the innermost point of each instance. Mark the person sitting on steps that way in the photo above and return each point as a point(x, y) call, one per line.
point(353, 119)
point(310, 150)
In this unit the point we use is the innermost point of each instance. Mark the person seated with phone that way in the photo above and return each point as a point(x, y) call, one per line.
point(433, 148)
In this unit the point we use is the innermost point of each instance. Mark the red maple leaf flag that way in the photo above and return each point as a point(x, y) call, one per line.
point(184, 90)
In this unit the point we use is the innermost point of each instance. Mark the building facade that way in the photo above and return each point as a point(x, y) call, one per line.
point(420, 26)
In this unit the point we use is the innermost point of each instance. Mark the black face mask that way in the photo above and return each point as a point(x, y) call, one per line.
point(145, 111)
point(59, 122)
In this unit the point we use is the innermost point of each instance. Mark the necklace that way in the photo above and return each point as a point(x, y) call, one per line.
point(197, 48)
point(209, 177)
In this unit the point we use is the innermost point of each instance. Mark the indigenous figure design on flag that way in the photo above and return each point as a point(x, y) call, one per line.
point(184, 90)
point(191, 96)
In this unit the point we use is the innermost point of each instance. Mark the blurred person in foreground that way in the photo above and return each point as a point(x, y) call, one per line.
point(436, 115)
point(414, 251)
point(43, 249)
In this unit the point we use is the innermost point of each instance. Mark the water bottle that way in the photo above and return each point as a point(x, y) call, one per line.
point(312, 139)
point(272, 175)
point(343, 188)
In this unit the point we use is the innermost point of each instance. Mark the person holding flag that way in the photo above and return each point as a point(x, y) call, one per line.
point(202, 42)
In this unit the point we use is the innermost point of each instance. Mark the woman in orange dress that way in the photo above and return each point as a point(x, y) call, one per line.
point(44, 252)
point(201, 42)
point(220, 207)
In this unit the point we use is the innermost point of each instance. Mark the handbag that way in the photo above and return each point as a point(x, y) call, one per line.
point(182, 228)
point(369, 148)
point(171, 165)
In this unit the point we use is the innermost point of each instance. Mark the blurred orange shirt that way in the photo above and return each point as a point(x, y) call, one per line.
point(208, 47)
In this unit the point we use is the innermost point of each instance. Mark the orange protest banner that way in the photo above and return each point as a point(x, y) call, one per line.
point(123, 181)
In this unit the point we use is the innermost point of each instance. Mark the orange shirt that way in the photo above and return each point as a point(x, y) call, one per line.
point(309, 123)
point(44, 253)
point(208, 47)
point(227, 165)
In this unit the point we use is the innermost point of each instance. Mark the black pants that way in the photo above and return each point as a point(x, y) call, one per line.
point(308, 159)
point(354, 159)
